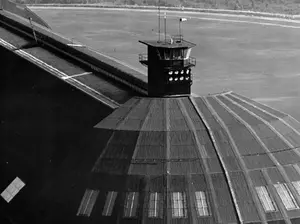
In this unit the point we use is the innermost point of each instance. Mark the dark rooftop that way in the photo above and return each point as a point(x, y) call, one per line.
point(215, 159)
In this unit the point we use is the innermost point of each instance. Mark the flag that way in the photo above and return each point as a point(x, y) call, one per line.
point(182, 19)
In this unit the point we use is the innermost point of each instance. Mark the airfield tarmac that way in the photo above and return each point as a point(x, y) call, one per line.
point(256, 57)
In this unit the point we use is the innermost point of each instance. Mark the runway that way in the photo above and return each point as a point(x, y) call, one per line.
point(255, 57)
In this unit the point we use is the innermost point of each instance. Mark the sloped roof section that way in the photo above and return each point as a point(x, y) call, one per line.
point(216, 159)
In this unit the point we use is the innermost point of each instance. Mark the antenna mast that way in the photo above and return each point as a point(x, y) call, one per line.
point(165, 27)
point(158, 20)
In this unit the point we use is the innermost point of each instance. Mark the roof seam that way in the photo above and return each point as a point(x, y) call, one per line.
point(260, 103)
point(211, 135)
point(277, 164)
point(262, 120)
point(242, 163)
point(280, 168)
point(278, 200)
point(279, 118)
point(95, 169)
point(139, 137)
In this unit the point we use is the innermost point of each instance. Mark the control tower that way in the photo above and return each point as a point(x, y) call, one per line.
point(169, 67)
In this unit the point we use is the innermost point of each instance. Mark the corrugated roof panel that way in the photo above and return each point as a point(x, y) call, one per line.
point(201, 106)
point(179, 207)
point(141, 109)
point(12, 189)
point(131, 204)
point(155, 208)
point(181, 138)
point(265, 199)
point(223, 142)
point(109, 203)
point(257, 178)
point(223, 198)
point(287, 157)
point(295, 221)
point(293, 138)
point(275, 143)
point(131, 124)
point(205, 140)
point(214, 165)
point(258, 112)
point(191, 110)
point(199, 182)
point(286, 196)
point(247, 145)
point(281, 127)
point(235, 108)
point(157, 183)
point(155, 120)
point(152, 138)
point(227, 118)
point(186, 167)
point(244, 197)
point(232, 163)
point(292, 173)
point(184, 152)
point(292, 122)
point(269, 109)
point(201, 204)
point(275, 175)
point(258, 161)
point(149, 152)
point(87, 202)
point(139, 169)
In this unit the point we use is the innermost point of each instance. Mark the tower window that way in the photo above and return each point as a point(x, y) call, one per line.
point(286, 196)
point(265, 199)
point(176, 72)
point(109, 203)
point(155, 205)
point(179, 209)
point(176, 79)
point(187, 78)
point(170, 72)
point(131, 204)
point(182, 71)
point(187, 71)
point(181, 78)
point(171, 79)
point(201, 204)
point(87, 202)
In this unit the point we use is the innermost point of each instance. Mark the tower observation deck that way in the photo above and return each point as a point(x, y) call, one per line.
point(169, 67)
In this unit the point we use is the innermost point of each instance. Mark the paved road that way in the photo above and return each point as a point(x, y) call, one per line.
point(255, 57)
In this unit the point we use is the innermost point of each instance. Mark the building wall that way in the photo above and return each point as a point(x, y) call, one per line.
point(42, 120)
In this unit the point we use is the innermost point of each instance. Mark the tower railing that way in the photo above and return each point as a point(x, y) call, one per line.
point(191, 61)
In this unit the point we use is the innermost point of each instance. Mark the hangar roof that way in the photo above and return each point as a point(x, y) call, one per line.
point(216, 159)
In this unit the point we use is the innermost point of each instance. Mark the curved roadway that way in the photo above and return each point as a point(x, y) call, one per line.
point(255, 57)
